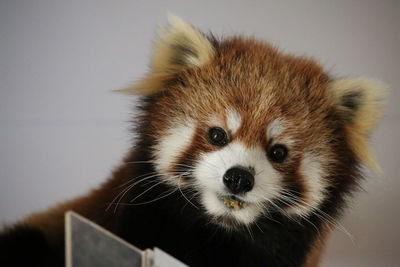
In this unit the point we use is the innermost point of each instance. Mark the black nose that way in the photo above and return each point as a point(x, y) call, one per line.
point(239, 180)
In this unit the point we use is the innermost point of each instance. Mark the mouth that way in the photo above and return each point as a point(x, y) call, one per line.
point(234, 203)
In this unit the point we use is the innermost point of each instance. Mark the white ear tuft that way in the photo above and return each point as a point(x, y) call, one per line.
point(178, 46)
point(359, 102)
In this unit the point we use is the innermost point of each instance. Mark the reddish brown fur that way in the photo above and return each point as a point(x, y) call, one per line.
point(314, 258)
point(197, 79)
point(247, 75)
point(261, 84)
point(256, 80)
point(92, 205)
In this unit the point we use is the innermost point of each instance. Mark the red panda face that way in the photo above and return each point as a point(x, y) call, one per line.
point(250, 130)
point(241, 132)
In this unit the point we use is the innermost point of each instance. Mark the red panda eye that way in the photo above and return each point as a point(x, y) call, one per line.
point(277, 153)
point(217, 136)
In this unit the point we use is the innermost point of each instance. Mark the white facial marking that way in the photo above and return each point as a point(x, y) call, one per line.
point(215, 207)
point(234, 120)
point(312, 169)
point(209, 173)
point(177, 139)
point(275, 128)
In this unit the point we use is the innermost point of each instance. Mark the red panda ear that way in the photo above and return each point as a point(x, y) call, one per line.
point(178, 46)
point(359, 102)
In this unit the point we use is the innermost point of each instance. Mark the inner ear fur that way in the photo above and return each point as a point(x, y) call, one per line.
point(359, 102)
point(177, 47)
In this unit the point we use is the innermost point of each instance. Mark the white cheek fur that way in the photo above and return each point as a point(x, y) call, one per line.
point(312, 169)
point(173, 144)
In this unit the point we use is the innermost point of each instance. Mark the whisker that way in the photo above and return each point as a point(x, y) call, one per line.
point(256, 224)
point(139, 162)
point(121, 194)
point(136, 178)
point(161, 196)
point(194, 194)
point(145, 191)
point(249, 231)
point(179, 187)
point(321, 214)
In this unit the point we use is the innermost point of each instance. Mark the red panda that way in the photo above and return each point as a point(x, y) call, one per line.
point(244, 157)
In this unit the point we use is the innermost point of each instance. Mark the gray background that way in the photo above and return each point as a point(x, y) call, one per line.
point(62, 130)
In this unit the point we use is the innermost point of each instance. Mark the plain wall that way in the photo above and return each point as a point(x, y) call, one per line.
point(62, 130)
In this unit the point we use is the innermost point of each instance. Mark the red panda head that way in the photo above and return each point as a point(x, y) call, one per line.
point(252, 130)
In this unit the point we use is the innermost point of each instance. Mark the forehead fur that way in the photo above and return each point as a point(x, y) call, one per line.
point(252, 74)
point(254, 79)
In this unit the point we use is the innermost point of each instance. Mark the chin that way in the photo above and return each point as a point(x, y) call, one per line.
point(230, 212)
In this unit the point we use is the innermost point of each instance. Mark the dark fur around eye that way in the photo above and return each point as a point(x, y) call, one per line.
point(277, 153)
point(217, 136)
